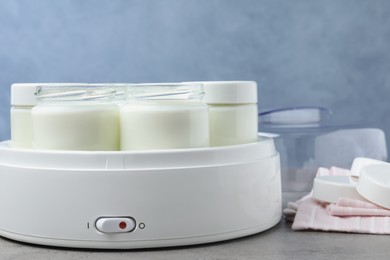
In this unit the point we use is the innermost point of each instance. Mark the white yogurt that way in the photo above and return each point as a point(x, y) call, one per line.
point(76, 127)
point(21, 127)
point(156, 124)
point(233, 124)
point(23, 99)
point(164, 116)
point(76, 118)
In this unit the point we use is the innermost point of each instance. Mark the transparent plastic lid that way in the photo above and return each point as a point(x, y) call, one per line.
point(300, 119)
point(295, 116)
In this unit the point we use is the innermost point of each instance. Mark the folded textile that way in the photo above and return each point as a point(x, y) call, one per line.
point(351, 207)
point(345, 216)
point(292, 207)
point(313, 215)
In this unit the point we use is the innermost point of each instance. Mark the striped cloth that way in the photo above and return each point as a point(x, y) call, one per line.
point(344, 216)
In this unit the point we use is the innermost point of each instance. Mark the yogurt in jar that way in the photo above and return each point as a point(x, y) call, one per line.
point(233, 111)
point(71, 118)
point(164, 117)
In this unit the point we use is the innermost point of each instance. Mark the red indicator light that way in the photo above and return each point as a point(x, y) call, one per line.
point(122, 225)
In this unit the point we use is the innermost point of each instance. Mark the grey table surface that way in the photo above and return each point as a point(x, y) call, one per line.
point(279, 242)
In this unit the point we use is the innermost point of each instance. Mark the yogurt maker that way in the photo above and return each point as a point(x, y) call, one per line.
point(135, 198)
point(139, 199)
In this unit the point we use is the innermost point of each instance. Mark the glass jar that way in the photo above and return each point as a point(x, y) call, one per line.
point(23, 99)
point(164, 116)
point(233, 111)
point(75, 117)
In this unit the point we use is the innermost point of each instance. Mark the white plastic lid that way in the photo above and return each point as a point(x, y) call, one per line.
point(331, 188)
point(374, 184)
point(360, 162)
point(23, 94)
point(229, 92)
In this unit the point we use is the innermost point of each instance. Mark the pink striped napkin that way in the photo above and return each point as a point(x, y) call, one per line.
point(345, 216)
point(313, 215)
point(352, 207)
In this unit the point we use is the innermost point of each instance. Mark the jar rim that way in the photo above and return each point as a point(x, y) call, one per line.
point(164, 91)
point(83, 92)
point(118, 92)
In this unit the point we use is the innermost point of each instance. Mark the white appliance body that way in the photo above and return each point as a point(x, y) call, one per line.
point(174, 197)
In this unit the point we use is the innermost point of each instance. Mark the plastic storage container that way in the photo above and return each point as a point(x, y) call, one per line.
point(307, 139)
point(76, 118)
point(164, 116)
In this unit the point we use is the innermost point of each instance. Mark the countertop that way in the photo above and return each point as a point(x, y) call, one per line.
point(279, 242)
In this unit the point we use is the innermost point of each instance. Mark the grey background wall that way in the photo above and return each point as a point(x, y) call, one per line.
point(333, 53)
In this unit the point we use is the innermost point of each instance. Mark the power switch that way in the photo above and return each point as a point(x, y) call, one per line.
point(115, 225)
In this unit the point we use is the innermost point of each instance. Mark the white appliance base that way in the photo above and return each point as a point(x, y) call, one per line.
point(140, 244)
point(166, 198)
